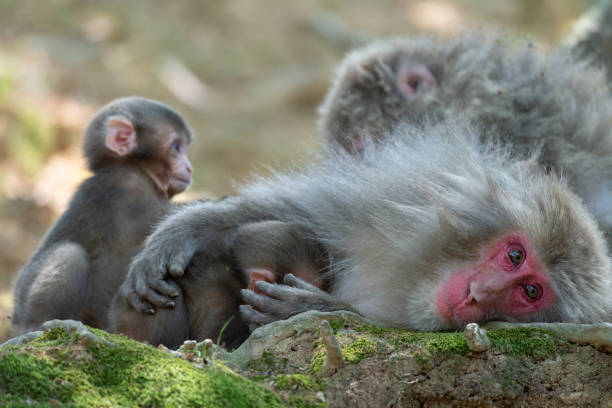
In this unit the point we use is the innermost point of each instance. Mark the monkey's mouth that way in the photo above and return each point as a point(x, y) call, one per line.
point(180, 184)
point(182, 180)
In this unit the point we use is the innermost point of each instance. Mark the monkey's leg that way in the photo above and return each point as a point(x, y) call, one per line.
point(60, 289)
point(168, 326)
point(268, 250)
point(280, 302)
point(211, 290)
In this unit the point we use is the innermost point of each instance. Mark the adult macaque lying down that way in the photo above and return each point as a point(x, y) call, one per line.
point(429, 231)
point(557, 105)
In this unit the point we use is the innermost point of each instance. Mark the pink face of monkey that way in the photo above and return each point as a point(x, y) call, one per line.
point(508, 281)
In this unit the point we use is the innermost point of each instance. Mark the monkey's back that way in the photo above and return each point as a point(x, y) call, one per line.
point(108, 217)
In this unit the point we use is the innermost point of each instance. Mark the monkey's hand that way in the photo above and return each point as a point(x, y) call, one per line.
point(165, 254)
point(280, 302)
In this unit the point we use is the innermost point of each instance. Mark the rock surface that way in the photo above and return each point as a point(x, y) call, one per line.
point(287, 363)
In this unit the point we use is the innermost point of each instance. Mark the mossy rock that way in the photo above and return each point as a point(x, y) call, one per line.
point(547, 365)
point(62, 368)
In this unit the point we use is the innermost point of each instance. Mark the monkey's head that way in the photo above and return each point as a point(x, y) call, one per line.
point(550, 268)
point(421, 80)
point(532, 253)
point(455, 233)
point(383, 84)
point(144, 133)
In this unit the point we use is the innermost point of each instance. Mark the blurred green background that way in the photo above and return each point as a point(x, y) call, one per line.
point(248, 75)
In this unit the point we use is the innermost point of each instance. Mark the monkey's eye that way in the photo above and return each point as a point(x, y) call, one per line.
point(516, 256)
point(176, 146)
point(533, 292)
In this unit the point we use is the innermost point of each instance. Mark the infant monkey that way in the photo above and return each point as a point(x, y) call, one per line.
point(136, 149)
point(207, 296)
point(429, 231)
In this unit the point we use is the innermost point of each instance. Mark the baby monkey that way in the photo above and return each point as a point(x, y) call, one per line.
point(136, 149)
point(430, 230)
point(207, 296)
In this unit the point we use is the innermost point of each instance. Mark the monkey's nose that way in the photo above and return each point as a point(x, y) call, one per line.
point(474, 294)
point(486, 293)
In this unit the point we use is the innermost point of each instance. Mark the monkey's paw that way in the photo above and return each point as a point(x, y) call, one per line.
point(279, 302)
point(147, 285)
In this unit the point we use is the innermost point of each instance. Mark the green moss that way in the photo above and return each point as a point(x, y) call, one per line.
point(377, 330)
point(301, 402)
point(514, 342)
point(432, 342)
point(60, 368)
point(453, 343)
point(294, 381)
point(354, 349)
point(318, 359)
point(358, 349)
point(337, 324)
point(421, 358)
point(524, 342)
point(267, 362)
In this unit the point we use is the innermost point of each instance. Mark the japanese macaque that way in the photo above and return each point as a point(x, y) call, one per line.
point(207, 297)
point(136, 149)
point(430, 230)
point(557, 105)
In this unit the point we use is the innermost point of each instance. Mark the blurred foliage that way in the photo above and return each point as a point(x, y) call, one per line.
point(248, 75)
point(31, 140)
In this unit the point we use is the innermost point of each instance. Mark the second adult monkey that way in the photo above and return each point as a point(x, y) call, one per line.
point(136, 149)
point(430, 231)
point(558, 105)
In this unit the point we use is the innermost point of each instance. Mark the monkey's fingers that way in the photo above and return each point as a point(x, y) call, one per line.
point(292, 280)
point(281, 292)
point(261, 302)
point(138, 304)
point(164, 288)
point(156, 299)
point(178, 257)
point(176, 266)
point(254, 317)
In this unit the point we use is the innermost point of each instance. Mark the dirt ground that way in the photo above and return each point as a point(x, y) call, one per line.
point(247, 75)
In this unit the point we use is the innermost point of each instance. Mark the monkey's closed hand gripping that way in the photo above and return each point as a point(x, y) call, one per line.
point(146, 286)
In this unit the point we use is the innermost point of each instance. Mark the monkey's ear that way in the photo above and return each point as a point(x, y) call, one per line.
point(120, 135)
point(414, 79)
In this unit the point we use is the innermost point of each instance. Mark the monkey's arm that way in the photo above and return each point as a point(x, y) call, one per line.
point(280, 302)
point(198, 226)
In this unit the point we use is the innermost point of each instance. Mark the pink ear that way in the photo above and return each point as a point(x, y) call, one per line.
point(120, 135)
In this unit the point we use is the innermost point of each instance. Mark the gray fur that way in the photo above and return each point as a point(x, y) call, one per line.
point(554, 104)
point(395, 223)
